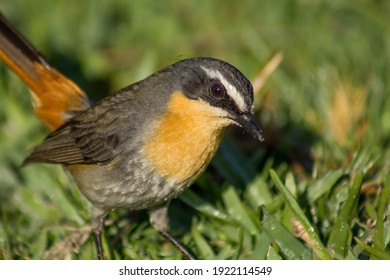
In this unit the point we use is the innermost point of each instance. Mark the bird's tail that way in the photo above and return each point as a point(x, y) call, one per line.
point(55, 97)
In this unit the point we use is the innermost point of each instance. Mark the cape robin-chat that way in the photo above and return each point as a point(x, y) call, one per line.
point(141, 146)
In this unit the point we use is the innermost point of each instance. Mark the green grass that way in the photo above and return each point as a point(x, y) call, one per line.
point(317, 188)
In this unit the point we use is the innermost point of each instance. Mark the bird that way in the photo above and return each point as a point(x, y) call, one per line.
point(141, 146)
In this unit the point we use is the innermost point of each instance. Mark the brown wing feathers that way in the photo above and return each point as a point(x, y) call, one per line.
point(73, 143)
point(58, 147)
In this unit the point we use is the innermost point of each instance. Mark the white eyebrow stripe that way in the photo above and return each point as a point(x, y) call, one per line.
point(231, 89)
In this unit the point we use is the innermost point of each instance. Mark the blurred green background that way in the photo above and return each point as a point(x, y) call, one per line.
point(322, 174)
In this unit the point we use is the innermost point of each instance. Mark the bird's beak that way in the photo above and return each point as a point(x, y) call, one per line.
point(247, 121)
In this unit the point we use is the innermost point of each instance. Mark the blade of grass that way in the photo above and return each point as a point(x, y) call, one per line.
point(272, 254)
point(338, 239)
point(225, 253)
point(240, 243)
point(236, 209)
point(205, 250)
point(258, 193)
point(318, 247)
point(379, 240)
point(350, 255)
point(261, 247)
point(323, 185)
point(39, 245)
point(291, 185)
point(193, 200)
point(291, 247)
point(378, 254)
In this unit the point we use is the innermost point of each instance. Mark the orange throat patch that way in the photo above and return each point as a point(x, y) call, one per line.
point(185, 139)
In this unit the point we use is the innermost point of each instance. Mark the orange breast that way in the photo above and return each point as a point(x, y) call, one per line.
point(184, 140)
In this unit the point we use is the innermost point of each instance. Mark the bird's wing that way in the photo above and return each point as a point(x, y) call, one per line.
point(92, 136)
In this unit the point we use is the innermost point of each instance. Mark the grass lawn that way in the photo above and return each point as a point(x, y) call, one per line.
point(317, 188)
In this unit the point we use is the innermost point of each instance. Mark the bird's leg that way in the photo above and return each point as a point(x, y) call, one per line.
point(168, 236)
point(98, 216)
point(97, 236)
point(159, 220)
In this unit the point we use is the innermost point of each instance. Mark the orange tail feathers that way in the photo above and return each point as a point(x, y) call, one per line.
point(55, 97)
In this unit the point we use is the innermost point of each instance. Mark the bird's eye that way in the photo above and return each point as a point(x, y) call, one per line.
point(217, 91)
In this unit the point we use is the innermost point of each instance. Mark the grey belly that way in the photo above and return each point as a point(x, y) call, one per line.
point(131, 186)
